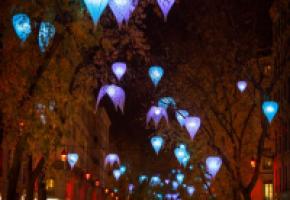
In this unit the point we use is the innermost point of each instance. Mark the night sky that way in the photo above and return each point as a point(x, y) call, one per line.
point(128, 131)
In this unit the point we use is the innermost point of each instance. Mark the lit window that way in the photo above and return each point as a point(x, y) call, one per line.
point(50, 184)
point(268, 191)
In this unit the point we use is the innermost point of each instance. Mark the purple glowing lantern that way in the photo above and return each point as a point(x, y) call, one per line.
point(116, 94)
point(130, 188)
point(112, 159)
point(192, 125)
point(119, 69)
point(156, 113)
point(121, 10)
point(213, 165)
point(242, 85)
point(165, 6)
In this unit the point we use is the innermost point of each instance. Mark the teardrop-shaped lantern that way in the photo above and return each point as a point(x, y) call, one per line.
point(190, 190)
point(165, 102)
point(156, 113)
point(96, 8)
point(156, 73)
point(166, 181)
point(123, 169)
point(116, 174)
point(174, 185)
point(155, 180)
point(121, 9)
point(72, 159)
point(242, 85)
point(181, 116)
point(213, 165)
point(21, 25)
point(112, 159)
point(116, 94)
point(157, 143)
point(46, 33)
point(130, 188)
point(142, 178)
point(180, 153)
point(270, 109)
point(165, 6)
point(119, 69)
point(192, 125)
point(180, 178)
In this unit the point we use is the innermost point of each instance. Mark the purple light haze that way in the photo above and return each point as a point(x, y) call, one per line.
point(192, 125)
point(116, 94)
point(165, 6)
point(112, 159)
point(156, 113)
point(119, 69)
point(167, 181)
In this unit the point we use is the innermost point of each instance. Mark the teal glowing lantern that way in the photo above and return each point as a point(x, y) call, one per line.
point(181, 116)
point(72, 159)
point(46, 33)
point(96, 8)
point(157, 143)
point(123, 169)
point(270, 109)
point(156, 73)
point(181, 154)
point(180, 178)
point(117, 174)
point(155, 180)
point(21, 25)
point(143, 178)
point(165, 102)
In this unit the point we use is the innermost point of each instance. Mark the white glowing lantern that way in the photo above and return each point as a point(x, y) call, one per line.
point(72, 159)
point(192, 125)
point(213, 165)
point(242, 85)
point(119, 69)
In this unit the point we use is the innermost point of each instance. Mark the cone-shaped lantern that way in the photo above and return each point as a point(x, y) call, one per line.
point(157, 143)
point(119, 69)
point(96, 8)
point(270, 109)
point(213, 165)
point(72, 159)
point(156, 73)
point(242, 85)
point(192, 125)
point(165, 6)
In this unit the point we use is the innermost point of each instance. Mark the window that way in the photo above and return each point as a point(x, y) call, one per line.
point(268, 191)
point(267, 163)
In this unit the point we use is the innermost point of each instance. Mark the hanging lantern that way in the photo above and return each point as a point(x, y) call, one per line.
point(143, 178)
point(180, 153)
point(213, 165)
point(116, 94)
point(165, 102)
point(174, 185)
point(123, 169)
point(156, 73)
point(46, 33)
point(270, 109)
point(242, 85)
point(96, 8)
point(134, 4)
point(72, 159)
point(97, 183)
point(112, 159)
point(117, 174)
point(121, 10)
point(156, 113)
point(192, 125)
point(130, 188)
point(63, 156)
point(107, 190)
point(88, 175)
point(190, 190)
point(119, 69)
point(186, 159)
point(253, 163)
point(155, 180)
point(166, 181)
point(165, 6)
point(180, 178)
point(21, 25)
point(157, 143)
point(181, 116)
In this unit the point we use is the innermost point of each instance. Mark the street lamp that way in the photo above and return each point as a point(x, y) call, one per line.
point(253, 163)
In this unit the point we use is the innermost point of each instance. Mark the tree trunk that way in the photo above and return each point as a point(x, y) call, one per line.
point(41, 186)
point(247, 195)
point(13, 174)
point(30, 182)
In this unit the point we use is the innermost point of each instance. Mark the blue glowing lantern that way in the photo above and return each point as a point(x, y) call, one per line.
point(181, 116)
point(72, 159)
point(190, 190)
point(165, 102)
point(180, 153)
point(174, 185)
point(21, 25)
point(270, 109)
point(96, 8)
point(159, 196)
point(186, 159)
point(117, 174)
point(123, 169)
point(119, 69)
point(180, 178)
point(155, 180)
point(121, 10)
point(156, 73)
point(46, 33)
point(165, 6)
point(213, 165)
point(143, 178)
point(157, 143)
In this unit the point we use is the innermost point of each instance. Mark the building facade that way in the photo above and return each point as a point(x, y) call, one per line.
point(280, 14)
